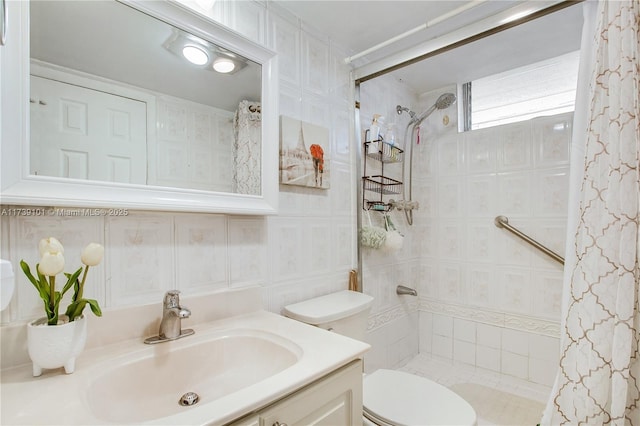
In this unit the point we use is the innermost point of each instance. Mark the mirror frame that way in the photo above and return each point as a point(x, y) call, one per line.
point(18, 186)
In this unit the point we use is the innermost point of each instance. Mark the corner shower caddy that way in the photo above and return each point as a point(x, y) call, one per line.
point(381, 184)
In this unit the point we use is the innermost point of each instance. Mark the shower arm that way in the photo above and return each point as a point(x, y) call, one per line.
point(424, 115)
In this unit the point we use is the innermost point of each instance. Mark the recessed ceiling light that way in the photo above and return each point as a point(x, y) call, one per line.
point(223, 65)
point(196, 55)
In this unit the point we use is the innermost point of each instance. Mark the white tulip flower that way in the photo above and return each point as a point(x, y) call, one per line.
point(92, 254)
point(51, 264)
point(50, 245)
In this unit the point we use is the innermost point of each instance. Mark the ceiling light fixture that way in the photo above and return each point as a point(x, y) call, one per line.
point(223, 65)
point(203, 54)
point(195, 54)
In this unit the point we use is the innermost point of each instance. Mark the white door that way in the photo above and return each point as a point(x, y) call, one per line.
point(87, 134)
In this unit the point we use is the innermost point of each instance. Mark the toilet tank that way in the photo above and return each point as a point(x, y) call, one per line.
point(344, 312)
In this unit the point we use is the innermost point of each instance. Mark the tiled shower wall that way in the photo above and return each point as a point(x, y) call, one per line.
point(488, 298)
point(485, 297)
point(393, 324)
point(305, 250)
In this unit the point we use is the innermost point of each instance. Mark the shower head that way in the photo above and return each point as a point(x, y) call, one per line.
point(444, 101)
point(400, 108)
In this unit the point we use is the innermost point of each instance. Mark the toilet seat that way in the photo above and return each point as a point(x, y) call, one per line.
point(402, 399)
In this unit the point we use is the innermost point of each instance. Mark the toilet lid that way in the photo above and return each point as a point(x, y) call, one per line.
point(328, 308)
point(405, 399)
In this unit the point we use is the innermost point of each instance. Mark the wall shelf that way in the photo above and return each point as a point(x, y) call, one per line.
point(385, 153)
point(382, 184)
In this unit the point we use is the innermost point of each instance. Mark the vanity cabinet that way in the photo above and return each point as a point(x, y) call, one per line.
point(335, 399)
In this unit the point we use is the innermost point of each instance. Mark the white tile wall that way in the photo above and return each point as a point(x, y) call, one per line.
point(522, 354)
point(462, 182)
point(382, 272)
point(140, 261)
point(304, 251)
point(442, 325)
point(489, 336)
point(464, 352)
point(514, 365)
point(248, 264)
point(521, 171)
point(203, 262)
point(488, 358)
point(464, 330)
point(394, 343)
point(442, 346)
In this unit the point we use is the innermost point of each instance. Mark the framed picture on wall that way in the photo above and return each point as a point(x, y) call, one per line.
point(304, 154)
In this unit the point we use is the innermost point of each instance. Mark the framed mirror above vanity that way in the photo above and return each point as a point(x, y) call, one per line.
point(137, 104)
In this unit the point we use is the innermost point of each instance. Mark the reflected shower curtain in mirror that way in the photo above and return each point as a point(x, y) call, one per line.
point(599, 372)
point(247, 125)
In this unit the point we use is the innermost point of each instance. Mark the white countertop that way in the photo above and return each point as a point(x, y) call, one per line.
point(58, 398)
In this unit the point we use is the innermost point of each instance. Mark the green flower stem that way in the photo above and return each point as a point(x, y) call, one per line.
point(52, 292)
point(84, 277)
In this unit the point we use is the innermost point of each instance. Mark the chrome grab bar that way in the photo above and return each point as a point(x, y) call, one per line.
point(503, 222)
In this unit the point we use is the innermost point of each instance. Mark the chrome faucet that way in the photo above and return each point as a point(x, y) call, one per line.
point(171, 324)
point(401, 289)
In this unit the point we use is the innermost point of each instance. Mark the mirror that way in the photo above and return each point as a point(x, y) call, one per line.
point(125, 98)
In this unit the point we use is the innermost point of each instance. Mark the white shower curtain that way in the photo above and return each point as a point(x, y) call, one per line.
point(599, 372)
point(247, 148)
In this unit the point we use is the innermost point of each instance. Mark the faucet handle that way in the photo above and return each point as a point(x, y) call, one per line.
point(172, 299)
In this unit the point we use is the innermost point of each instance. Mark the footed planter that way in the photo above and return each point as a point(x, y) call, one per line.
point(55, 346)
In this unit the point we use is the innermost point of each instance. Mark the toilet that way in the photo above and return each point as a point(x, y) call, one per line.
point(390, 398)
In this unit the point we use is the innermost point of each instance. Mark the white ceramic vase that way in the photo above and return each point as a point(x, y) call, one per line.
point(55, 346)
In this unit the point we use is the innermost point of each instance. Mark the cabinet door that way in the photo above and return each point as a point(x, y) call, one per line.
point(253, 420)
point(334, 400)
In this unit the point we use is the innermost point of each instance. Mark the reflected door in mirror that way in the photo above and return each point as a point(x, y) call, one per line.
point(86, 134)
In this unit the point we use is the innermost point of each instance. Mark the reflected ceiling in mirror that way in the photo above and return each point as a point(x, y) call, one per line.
point(119, 96)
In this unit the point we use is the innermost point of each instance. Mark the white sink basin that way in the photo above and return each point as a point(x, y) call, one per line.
point(148, 385)
point(236, 364)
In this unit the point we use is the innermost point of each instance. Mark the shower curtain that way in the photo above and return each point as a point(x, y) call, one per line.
point(247, 148)
point(598, 377)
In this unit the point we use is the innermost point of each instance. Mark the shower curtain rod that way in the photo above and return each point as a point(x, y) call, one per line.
point(503, 222)
point(508, 18)
point(428, 24)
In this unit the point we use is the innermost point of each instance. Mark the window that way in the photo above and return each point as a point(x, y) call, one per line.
point(543, 88)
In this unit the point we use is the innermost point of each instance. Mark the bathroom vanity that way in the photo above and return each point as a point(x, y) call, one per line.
point(247, 366)
point(335, 399)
